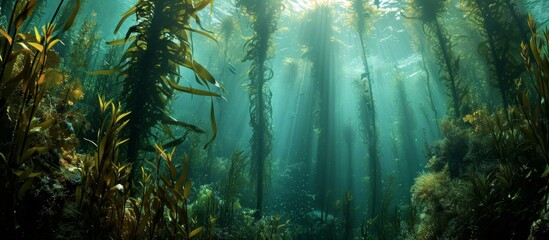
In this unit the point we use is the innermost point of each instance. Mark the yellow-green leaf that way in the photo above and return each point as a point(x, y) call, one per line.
point(121, 142)
point(125, 16)
point(121, 41)
point(31, 151)
point(203, 33)
point(38, 46)
point(170, 121)
point(187, 189)
point(122, 116)
point(20, 19)
point(101, 104)
point(204, 74)
point(52, 43)
point(105, 72)
point(72, 17)
point(201, 5)
point(37, 35)
point(6, 35)
point(191, 90)
point(195, 232)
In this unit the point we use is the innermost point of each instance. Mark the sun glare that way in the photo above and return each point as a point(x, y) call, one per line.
point(303, 5)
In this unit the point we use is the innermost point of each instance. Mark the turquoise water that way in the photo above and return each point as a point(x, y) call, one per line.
point(370, 120)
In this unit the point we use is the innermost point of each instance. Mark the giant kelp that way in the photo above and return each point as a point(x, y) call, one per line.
point(429, 12)
point(160, 45)
point(361, 19)
point(501, 44)
point(319, 50)
point(263, 17)
point(500, 161)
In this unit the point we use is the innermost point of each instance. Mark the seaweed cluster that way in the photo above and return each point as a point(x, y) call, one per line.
point(89, 148)
point(263, 19)
point(496, 186)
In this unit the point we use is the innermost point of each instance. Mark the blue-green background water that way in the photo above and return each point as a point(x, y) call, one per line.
point(401, 64)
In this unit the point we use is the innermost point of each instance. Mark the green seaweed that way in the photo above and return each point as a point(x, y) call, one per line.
point(263, 18)
point(429, 12)
point(160, 45)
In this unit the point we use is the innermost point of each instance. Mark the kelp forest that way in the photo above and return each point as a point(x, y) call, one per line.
point(274, 119)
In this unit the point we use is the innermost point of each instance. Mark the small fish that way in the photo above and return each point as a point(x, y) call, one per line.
point(313, 196)
point(231, 68)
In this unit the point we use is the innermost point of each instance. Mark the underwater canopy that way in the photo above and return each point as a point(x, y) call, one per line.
point(274, 119)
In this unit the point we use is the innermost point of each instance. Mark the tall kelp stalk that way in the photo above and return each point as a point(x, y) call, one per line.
point(405, 123)
point(348, 133)
point(429, 88)
point(362, 13)
point(263, 19)
point(499, 189)
point(519, 19)
point(429, 11)
point(28, 69)
point(317, 39)
point(160, 45)
point(502, 42)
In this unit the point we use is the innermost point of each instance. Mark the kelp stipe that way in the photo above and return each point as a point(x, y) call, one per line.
point(319, 50)
point(263, 17)
point(429, 11)
point(362, 18)
point(499, 161)
point(160, 45)
point(502, 42)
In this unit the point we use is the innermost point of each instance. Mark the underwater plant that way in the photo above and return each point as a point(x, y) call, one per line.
point(263, 17)
point(104, 189)
point(502, 42)
point(233, 188)
point(347, 215)
point(104, 199)
point(160, 45)
point(319, 50)
point(405, 125)
point(533, 101)
point(28, 69)
point(361, 19)
point(227, 31)
point(495, 169)
point(444, 205)
point(429, 11)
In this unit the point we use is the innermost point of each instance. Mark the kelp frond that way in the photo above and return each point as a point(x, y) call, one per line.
point(160, 46)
